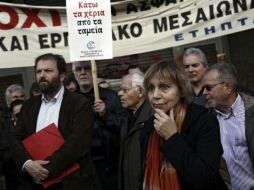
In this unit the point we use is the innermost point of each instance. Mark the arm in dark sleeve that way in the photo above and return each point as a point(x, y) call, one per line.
point(19, 133)
point(114, 113)
point(198, 165)
point(77, 142)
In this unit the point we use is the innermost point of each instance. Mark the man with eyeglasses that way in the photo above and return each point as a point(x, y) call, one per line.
point(133, 98)
point(108, 113)
point(195, 64)
point(234, 112)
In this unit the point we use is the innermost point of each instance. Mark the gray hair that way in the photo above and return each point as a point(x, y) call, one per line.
point(198, 52)
point(227, 72)
point(137, 79)
point(84, 64)
point(10, 89)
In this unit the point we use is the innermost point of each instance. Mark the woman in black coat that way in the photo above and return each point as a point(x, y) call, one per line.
point(180, 144)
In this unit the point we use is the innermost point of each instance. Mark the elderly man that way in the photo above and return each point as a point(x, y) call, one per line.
point(108, 113)
point(195, 64)
point(235, 114)
point(14, 92)
point(132, 95)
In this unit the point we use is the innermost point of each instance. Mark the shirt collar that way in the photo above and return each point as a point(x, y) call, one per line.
point(57, 98)
point(234, 109)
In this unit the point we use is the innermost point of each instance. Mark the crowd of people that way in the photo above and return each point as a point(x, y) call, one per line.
point(174, 127)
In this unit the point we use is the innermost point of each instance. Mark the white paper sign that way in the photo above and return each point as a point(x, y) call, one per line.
point(89, 27)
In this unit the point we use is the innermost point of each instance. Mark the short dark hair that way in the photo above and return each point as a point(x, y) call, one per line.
point(60, 62)
point(34, 88)
point(70, 78)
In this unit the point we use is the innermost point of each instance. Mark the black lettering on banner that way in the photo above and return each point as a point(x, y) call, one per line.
point(160, 27)
point(211, 11)
point(122, 32)
point(2, 46)
point(55, 39)
point(113, 11)
point(144, 6)
point(201, 15)
point(157, 3)
point(252, 4)
point(43, 41)
point(173, 22)
point(136, 29)
point(25, 42)
point(15, 44)
point(220, 8)
point(186, 18)
point(131, 8)
point(171, 1)
point(65, 36)
point(237, 4)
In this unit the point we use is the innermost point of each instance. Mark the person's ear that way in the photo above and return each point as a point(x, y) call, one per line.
point(140, 91)
point(228, 88)
point(62, 76)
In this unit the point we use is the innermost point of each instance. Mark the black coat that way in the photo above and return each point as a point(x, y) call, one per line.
point(105, 142)
point(195, 152)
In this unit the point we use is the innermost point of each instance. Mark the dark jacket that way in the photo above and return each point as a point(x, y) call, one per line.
point(8, 166)
point(76, 126)
point(130, 161)
point(249, 123)
point(105, 143)
point(195, 152)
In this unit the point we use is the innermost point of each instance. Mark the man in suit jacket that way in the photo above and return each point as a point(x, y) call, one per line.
point(72, 115)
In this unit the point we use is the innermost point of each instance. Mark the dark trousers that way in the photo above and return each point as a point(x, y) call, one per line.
point(108, 176)
point(12, 183)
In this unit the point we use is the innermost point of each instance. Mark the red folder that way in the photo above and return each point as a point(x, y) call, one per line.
point(44, 143)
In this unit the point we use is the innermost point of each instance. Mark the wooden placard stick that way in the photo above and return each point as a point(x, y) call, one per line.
point(95, 83)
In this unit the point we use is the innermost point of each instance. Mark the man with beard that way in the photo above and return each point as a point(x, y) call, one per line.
point(195, 64)
point(72, 114)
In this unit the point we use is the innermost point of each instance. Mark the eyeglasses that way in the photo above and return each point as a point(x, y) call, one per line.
point(211, 86)
point(86, 68)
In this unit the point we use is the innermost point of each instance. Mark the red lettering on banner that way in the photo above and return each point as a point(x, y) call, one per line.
point(56, 19)
point(14, 19)
point(32, 17)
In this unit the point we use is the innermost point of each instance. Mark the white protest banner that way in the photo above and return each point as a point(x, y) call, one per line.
point(137, 27)
point(142, 26)
point(89, 28)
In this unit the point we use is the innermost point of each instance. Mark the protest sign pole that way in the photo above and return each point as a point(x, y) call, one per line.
point(95, 83)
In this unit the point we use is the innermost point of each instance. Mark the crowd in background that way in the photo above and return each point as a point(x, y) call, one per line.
point(173, 126)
